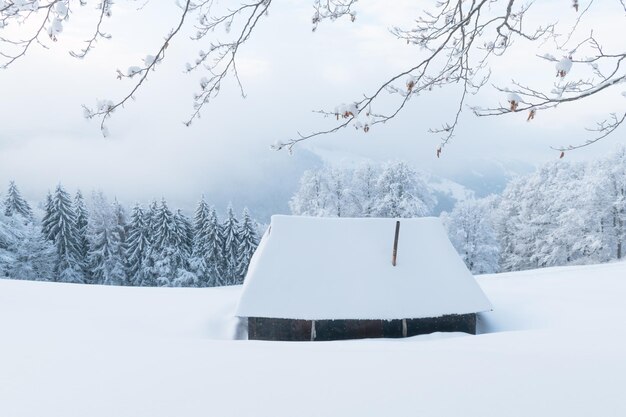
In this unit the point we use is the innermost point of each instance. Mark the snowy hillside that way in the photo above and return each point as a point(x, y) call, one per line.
point(555, 348)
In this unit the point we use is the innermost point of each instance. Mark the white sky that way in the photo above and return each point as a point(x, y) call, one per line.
point(287, 71)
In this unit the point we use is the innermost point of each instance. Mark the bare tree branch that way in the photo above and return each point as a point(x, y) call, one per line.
point(457, 38)
point(106, 108)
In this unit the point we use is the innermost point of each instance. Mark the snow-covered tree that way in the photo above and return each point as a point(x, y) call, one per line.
point(610, 186)
point(184, 233)
point(214, 255)
point(14, 203)
point(231, 239)
point(24, 252)
point(170, 248)
point(46, 222)
point(200, 248)
point(471, 231)
point(338, 192)
point(400, 193)
point(363, 189)
point(82, 222)
point(137, 249)
point(248, 242)
point(9, 237)
point(185, 277)
point(60, 223)
point(311, 198)
point(120, 236)
point(105, 257)
point(552, 217)
point(33, 257)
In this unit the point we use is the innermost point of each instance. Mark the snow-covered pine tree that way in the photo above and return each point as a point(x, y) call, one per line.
point(167, 255)
point(107, 267)
point(184, 233)
point(138, 249)
point(9, 237)
point(33, 256)
point(248, 242)
point(120, 236)
point(24, 252)
point(230, 236)
point(46, 221)
point(164, 227)
point(61, 224)
point(82, 221)
point(200, 247)
point(149, 270)
point(214, 255)
point(183, 277)
point(14, 203)
point(151, 219)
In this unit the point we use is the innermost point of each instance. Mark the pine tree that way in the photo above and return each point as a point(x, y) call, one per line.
point(120, 236)
point(164, 227)
point(15, 204)
point(248, 242)
point(9, 236)
point(149, 270)
point(167, 254)
point(230, 236)
point(61, 224)
point(82, 220)
point(137, 249)
point(215, 251)
point(183, 276)
point(200, 246)
point(33, 256)
point(46, 221)
point(105, 253)
point(184, 233)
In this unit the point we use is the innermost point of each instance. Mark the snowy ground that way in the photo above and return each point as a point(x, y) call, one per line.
point(556, 347)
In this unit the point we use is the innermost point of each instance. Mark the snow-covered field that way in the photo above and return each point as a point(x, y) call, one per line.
point(555, 345)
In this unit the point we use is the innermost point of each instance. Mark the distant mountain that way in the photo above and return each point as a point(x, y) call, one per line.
point(485, 176)
point(448, 192)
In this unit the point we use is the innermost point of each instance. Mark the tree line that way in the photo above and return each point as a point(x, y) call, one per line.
point(393, 189)
point(563, 213)
point(102, 244)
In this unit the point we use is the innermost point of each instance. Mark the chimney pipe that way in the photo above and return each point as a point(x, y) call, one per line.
point(395, 244)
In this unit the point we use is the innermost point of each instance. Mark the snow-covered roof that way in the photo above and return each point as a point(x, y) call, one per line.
point(340, 268)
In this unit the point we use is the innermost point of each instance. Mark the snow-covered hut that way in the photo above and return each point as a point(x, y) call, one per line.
point(317, 278)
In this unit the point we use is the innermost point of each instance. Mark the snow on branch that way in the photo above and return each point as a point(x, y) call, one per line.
point(458, 40)
point(105, 108)
point(332, 10)
point(220, 59)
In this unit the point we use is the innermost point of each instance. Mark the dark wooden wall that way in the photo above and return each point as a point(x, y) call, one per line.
point(260, 328)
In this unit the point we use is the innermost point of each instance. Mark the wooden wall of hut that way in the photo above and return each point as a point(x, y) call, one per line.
point(260, 328)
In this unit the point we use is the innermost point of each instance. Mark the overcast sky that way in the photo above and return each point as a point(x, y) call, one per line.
point(287, 71)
